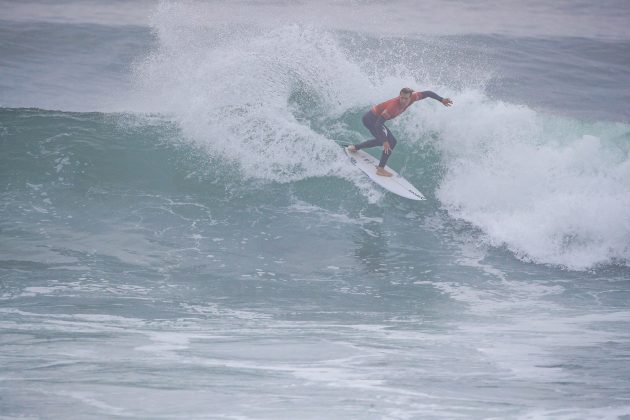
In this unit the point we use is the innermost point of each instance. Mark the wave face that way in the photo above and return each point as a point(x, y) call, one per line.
point(552, 189)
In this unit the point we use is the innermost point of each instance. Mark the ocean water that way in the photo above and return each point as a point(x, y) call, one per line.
point(182, 236)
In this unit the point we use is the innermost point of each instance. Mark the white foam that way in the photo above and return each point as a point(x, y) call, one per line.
point(552, 190)
point(602, 413)
point(166, 342)
point(235, 100)
point(299, 206)
point(92, 399)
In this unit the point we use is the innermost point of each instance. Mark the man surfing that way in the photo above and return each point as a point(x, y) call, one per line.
point(374, 120)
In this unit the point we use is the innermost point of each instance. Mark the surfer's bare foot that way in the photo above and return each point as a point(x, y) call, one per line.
point(382, 172)
point(352, 148)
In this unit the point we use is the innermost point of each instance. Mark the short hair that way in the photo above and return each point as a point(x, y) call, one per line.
point(406, 91)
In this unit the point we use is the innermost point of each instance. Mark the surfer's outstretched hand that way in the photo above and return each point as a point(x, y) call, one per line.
point(447, 102)
point(387, 148)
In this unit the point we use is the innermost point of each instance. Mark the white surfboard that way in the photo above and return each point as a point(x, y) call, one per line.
point(396, 183)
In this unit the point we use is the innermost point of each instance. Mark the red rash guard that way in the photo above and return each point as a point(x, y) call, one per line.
point(391, 108)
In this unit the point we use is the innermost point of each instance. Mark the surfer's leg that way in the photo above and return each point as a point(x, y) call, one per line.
point(379, 132)
point(392, 143)
point(368, 144)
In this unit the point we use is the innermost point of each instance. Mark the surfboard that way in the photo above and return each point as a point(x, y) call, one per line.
point(396, 183)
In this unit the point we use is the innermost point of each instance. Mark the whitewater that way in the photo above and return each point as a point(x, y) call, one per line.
point(182, 235)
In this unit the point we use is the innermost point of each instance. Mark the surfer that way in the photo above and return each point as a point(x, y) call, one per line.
point(374, 120)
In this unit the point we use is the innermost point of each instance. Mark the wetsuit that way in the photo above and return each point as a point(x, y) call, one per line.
point(374, 120)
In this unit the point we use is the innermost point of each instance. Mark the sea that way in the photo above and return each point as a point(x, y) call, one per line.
point(183, 237)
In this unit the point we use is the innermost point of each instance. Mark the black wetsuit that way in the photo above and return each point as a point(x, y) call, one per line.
point(376, 124)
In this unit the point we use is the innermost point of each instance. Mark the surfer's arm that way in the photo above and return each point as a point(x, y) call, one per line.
point(430, 94)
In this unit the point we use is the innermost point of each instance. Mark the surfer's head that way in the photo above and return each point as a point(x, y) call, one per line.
point(405, 96)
